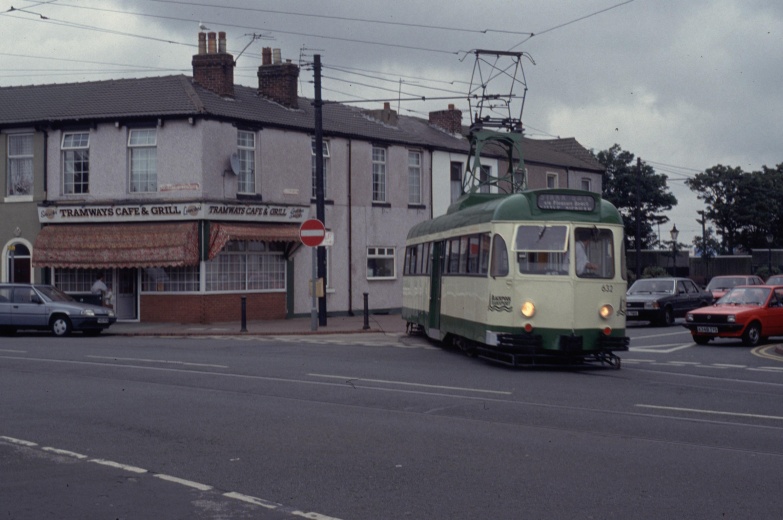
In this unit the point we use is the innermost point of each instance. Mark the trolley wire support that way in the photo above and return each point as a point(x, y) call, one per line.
point(495, 124)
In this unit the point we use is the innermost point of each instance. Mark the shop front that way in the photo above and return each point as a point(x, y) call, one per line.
point(183, 262)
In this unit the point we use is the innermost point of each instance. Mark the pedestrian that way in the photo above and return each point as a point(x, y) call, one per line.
point(99, 287)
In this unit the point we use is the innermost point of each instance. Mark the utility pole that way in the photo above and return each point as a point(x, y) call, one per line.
point(638, 217)
point(704, 254)
point(319, 184)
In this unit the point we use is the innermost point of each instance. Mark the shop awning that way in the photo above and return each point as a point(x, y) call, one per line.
point(94, 246)
point(220, 233)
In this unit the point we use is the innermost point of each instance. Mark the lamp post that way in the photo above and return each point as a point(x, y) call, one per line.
point(674, 233)
point(770, 238)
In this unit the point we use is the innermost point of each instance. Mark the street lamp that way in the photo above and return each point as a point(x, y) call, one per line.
point(674, 233)
point(770, 238)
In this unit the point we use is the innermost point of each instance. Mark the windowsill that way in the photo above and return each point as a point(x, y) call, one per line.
point(417, 206)
point(381, 204)
point(249, 196)
point(18, 198)
point(326, 201)
point(381, 278)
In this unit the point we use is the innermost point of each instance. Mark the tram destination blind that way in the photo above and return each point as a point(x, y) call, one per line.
point(565, 202)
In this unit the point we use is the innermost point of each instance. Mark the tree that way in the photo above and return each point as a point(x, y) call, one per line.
point(620, 188)
point(743, 206)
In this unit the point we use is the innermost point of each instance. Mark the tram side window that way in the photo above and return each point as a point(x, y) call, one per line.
point(473, 254)
point(452, 264)
point(425, 258)
point(499, 262)
point(484, 251)
point(463, 255)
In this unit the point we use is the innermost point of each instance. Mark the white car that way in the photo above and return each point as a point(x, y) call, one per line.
point(27, 306)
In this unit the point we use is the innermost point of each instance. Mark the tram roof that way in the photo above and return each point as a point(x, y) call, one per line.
point(479, 208)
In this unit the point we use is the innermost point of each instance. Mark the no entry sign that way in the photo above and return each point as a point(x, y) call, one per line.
point(312, 232)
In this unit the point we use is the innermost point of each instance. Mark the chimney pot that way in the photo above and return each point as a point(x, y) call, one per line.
point(276, 56)
point(387, 106)
point(202, 43)
point(212, 47)
point(222, 42)
point(266, 56)
point(451, 106)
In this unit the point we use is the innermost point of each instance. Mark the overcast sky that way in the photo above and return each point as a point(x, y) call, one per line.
point(683, 84)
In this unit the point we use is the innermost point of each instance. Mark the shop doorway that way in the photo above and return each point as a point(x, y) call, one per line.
point(126, 294)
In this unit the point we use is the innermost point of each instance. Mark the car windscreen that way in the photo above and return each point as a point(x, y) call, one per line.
point(725, 283)
point(652, 287)
point(745, 296)
point(53, 293)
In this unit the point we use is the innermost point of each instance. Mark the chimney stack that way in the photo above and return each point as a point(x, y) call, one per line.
point(387, 115)
point(449, 120)
point(277, 80)
point(213, 67)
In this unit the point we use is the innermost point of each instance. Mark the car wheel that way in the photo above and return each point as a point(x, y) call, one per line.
point(701, 340)
point(61, 326)
point(752, 335)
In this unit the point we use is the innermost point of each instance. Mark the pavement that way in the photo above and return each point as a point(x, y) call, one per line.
point(376, 323)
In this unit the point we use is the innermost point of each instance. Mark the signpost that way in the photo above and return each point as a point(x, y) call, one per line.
point(312, 233)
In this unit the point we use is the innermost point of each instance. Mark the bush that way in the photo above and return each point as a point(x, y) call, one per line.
point(654, 271)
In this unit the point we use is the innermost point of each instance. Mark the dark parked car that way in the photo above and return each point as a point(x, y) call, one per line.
point(661, 300)
point(750, 312)
point(26, 306)
point(720, 285)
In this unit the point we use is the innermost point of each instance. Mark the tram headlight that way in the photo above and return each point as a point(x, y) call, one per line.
point(528, 309)
point(606, 311)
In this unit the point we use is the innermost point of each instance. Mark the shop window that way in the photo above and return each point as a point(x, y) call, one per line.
point(381, 263)
point(247, 266)
point(170, 279)
point(76, 162)
point(142, 144)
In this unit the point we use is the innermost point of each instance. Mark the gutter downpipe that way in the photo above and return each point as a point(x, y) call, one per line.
point(350, 229)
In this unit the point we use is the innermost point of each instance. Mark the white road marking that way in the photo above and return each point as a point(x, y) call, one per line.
point(710, 412)
point(188, 483)
point(403, 383)
point(18, 441)
point(65, 452)
point(662, 335)
point(252, 500)
point(13, 351)
point(164, 361)
point(665, 349)
point(132, 469)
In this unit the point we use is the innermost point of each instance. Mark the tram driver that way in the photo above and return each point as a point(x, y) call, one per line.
point(583, 263)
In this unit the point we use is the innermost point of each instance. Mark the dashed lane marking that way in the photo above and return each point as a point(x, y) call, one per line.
point(170, 478)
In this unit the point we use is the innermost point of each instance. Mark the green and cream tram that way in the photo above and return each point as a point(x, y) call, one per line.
point(530, 278)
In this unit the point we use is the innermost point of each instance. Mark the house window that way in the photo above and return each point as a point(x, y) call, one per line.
point(414, 177)
point(246, 150)
point(20, 164)
point(76, 162)
point(378, 174)
point(326, 156)
point(587, 185)
point(247, 266)
point(381, 263)
point(551, 180)
point(142, 144)
point(456, 180)
point(485, 174)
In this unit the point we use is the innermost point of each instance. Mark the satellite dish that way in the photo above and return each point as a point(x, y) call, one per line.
point(235, 163)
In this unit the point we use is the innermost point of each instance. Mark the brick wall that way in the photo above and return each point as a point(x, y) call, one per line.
point(211, 308)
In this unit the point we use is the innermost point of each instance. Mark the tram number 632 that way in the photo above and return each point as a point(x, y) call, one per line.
point(607, 288)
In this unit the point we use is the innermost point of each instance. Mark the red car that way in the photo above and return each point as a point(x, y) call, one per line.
point(748, 312)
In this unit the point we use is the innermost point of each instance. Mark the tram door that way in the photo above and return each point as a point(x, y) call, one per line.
point(125, 295)
point(436, 272)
